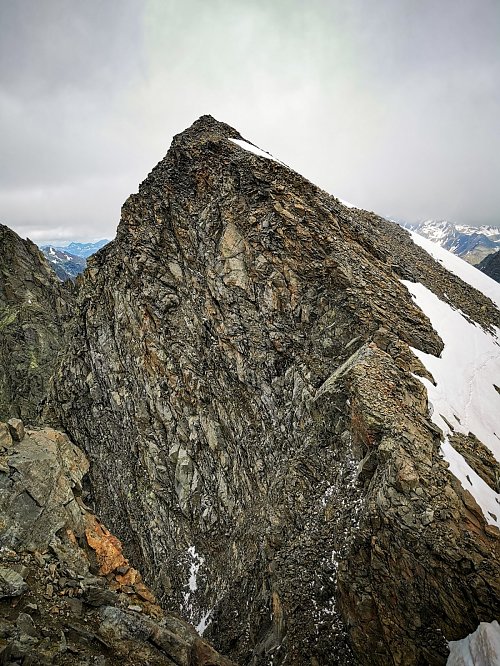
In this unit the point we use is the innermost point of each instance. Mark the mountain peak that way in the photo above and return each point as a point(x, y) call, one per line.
point(244, 352)
point(204, 128)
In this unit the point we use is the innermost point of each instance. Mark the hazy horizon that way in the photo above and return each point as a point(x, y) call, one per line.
point(392, 106)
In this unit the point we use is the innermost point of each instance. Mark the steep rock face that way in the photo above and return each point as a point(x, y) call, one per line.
point(67, 593)
point(33, 309)
point(241, 379)
point(491, 266)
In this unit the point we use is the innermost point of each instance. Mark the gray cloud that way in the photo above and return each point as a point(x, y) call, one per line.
point(392, 105)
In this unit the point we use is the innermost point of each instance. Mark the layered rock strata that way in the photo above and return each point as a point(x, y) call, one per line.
point(34, 307)
point(241, 361)
point(67, 593)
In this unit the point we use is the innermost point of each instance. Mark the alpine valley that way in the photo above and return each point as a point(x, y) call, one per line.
point(262, 424)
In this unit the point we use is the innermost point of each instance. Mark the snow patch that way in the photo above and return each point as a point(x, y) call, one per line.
point(255, 150)
point(204, 622)
point(191, 587)
point(464, 398)
point(461, 268)
point(196, 562)
point(482, 648)
point(347, 204)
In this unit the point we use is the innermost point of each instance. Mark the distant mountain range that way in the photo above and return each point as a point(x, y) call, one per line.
point(470, 243)
point(84, 249)
point(70, 261)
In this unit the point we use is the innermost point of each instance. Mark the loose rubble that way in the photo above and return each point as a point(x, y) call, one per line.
point(68, 595)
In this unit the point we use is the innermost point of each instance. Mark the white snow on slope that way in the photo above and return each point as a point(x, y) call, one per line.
point(346, 203)
point(482, 648)
point(253, 149)
point(461, 268)
point(464, 398)
point(197, 561)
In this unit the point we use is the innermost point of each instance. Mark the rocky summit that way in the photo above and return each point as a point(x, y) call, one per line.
point(244, 373)
point(34, 307)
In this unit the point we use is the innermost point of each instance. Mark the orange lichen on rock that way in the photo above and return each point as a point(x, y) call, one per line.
point(107, 547)
point(110, 558)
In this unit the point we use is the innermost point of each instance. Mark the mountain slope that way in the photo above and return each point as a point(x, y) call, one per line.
point(491, 266)
point(66, 266)
point(242, 378)
point(470, 243)
point(33, 309)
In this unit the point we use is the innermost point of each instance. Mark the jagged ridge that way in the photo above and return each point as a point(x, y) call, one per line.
point(241, 361)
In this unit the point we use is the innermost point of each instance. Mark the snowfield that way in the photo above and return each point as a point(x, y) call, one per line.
point(461, 268)
point(464, 398)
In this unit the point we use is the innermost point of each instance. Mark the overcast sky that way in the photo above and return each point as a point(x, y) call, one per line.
point(393, 105)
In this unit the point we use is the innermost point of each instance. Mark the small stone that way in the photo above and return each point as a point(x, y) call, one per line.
point(21, 569)
point(143, 592)
point(11, 583)
point(9, 555)
point(135, 608)
point(5, 436)
point(428, 517)
point(75, 606)
point(39, 558)
point(49, 590)
point(26, 625)
point(96, 596)
point(16, 428)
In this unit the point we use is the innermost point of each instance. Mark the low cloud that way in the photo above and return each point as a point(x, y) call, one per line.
point(391, 105)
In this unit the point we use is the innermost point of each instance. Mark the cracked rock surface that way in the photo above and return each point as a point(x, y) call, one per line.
point(68, 595)
point(34, 307)
point(240, 377)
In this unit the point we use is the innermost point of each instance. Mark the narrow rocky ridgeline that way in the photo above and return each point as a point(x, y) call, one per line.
point(239, 374)
point(67, 593)
point(34, 307)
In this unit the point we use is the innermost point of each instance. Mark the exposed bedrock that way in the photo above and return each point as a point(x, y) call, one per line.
point(239, 374)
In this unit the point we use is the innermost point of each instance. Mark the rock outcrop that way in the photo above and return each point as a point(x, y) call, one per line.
point(67, 593)
point(33, 309)
point(241, 378)
point(491, 266)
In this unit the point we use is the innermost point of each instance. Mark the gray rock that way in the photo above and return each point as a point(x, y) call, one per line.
point(5, 436)
point(26, 625)
point(234, 417)
point(12, 584)
point(34, 307)
point(16, 428)
point(36, 501)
